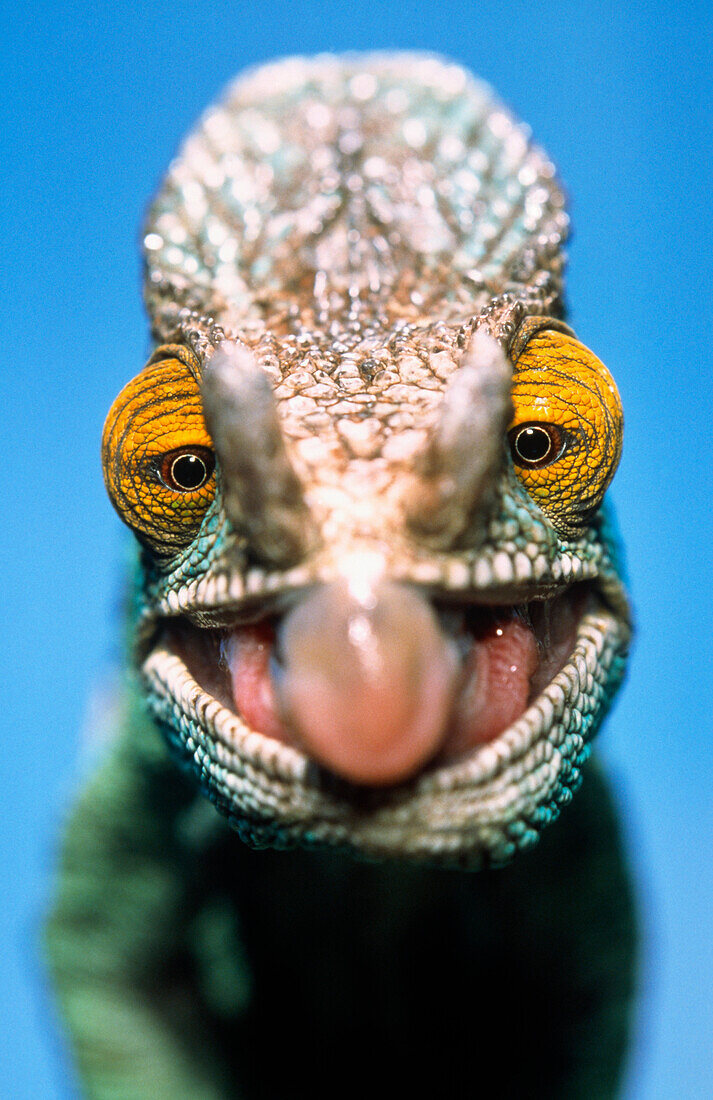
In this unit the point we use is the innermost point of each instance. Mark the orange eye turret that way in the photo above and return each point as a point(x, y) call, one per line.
point(565, 437)
point(157, 456)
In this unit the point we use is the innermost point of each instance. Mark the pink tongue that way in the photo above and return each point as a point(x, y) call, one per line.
point(246, 652)
point(368, 679)
point(365, 685)
point(496, 685)
point(374, 700)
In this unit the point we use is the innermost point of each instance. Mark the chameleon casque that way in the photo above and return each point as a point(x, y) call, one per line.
point(377, 611)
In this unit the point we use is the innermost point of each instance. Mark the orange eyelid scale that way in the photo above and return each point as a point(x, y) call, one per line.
point(557, 380)
point(158, 412)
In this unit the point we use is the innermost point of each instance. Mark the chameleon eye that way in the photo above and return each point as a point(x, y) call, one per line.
point(535, 445)
point(157, 455)
point(565, 437)
point(186, 471)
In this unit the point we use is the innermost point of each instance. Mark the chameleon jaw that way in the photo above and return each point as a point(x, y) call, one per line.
point(478, 808)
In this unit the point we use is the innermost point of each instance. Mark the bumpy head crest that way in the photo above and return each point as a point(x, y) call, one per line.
point(319, 184)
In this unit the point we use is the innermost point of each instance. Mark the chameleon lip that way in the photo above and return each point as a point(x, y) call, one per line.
point(508, 654)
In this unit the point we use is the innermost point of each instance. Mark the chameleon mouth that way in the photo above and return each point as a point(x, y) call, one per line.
point(477, 806)
point(488, 665)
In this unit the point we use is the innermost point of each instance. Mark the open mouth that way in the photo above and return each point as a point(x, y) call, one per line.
point(504, 657)
point(530, 687)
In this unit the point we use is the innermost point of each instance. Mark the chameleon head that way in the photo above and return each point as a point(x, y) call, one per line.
point(379, 601)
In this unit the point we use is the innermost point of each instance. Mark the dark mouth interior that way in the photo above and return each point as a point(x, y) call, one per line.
point(508, 654)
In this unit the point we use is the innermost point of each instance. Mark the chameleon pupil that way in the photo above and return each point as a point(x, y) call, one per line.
point(532, 445)
point(188, 472)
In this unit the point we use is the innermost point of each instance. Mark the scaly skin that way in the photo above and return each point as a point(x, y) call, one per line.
point(354, 279)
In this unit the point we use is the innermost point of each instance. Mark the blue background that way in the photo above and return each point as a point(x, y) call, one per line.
point(93, 103)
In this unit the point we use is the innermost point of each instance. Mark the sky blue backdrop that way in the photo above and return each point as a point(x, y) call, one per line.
point(92, 106)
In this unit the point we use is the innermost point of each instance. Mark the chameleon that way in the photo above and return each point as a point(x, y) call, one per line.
point(376, 616)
